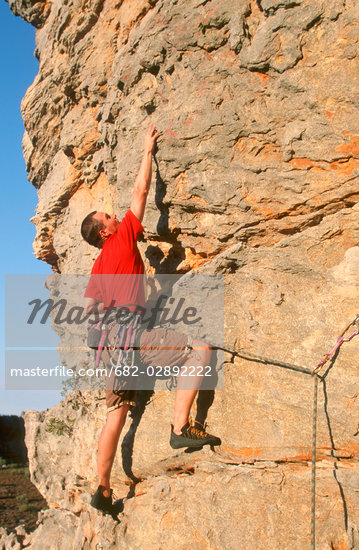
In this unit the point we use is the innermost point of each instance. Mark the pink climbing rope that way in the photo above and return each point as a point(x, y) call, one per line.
point(342, 338)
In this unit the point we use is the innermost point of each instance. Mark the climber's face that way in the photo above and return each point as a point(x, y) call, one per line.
point(110, 223)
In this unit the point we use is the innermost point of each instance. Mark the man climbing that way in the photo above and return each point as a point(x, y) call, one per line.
point(120, 256)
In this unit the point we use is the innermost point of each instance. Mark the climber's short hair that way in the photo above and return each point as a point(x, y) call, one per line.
point(90, 230)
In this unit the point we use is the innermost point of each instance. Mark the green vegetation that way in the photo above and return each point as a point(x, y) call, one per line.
point(69, 385)
point(60, 427)
point(77, 400)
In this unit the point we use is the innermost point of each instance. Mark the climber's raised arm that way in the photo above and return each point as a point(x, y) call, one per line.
point(144, 176)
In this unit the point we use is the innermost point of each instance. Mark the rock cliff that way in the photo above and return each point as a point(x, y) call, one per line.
point(256, 178)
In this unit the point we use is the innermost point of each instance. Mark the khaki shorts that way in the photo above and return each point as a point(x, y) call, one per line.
point(159, 346)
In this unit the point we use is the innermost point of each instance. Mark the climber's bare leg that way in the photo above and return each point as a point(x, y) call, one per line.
point(188, 386)
point(107, 446)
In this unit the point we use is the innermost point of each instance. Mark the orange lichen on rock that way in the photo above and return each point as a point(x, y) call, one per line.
point(341, 545)
point(351, 450)
point(262, 77)
point(346, 167)
point(343, 166)
point(257, 152)
point(193, 260)
point(244, 451)
point(350, 149)
point(263, 209)
point(301, 162)
point(271, 150)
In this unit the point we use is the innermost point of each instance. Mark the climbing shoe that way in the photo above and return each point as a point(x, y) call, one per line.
point(193, 435)
point(104, 504)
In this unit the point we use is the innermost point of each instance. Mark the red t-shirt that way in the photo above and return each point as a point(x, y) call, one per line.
point(117, 276)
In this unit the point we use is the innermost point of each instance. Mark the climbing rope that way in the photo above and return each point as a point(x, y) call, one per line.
point(340, 341)
point(261, 359)
point(314, 459)
point(314, 373)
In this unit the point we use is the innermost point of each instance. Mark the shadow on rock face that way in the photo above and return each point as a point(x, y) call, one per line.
point(155, 255)
point(143, 399)
point(205, 400)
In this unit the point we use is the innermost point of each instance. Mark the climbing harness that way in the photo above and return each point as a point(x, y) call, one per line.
point(124, 339)
point(314, 373)
point(122, 346)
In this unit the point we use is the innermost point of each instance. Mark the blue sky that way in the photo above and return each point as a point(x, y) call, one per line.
point(18, 68)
